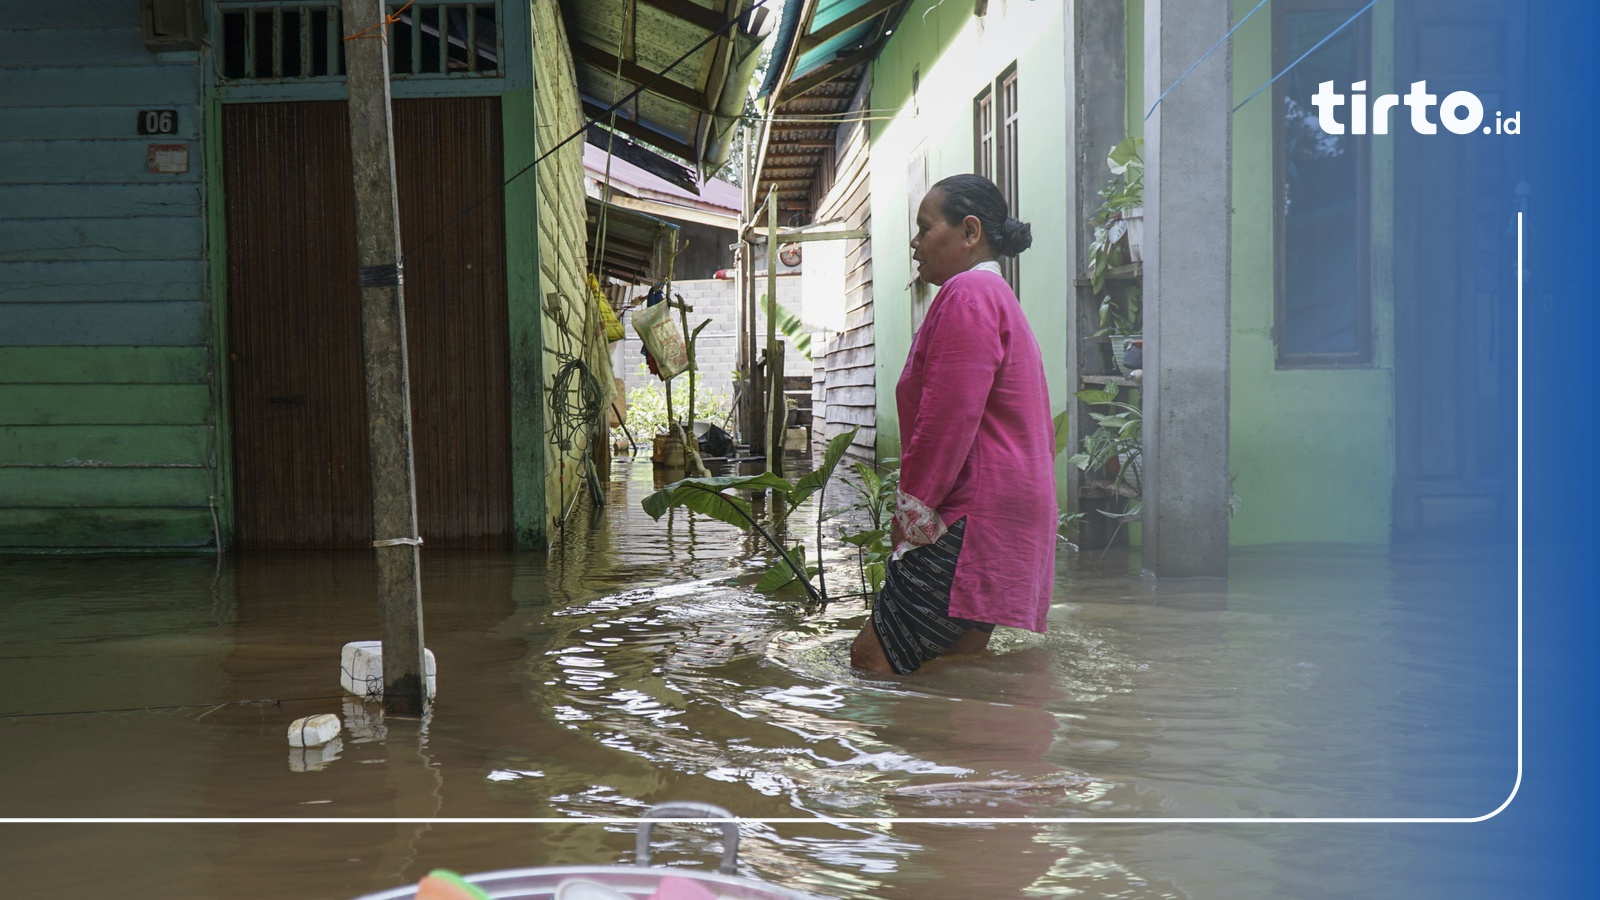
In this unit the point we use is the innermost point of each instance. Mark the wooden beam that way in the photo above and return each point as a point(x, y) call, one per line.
point(755, 234)
point(642, 132)
point(636, 75)
point(693, 13)
point(846, 22)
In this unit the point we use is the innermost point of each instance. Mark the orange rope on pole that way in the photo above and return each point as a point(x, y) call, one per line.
point(388, 19)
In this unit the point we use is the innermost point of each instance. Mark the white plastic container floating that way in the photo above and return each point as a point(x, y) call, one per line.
point(361, 669)
point(636, 882)
point(312, 731)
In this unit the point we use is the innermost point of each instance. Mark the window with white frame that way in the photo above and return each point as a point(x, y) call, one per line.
point(995, 124)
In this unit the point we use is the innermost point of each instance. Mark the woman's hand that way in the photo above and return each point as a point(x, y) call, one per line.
point(915, 524)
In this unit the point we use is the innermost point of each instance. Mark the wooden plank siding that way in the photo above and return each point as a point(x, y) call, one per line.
point(107, 407)
point(114, 279)
point(563, 257)
point(848, 381)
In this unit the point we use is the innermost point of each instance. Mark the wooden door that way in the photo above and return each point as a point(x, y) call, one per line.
point(297, 401)
point(1455, 308)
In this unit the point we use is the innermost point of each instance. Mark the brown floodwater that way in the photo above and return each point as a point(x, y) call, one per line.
point(637, 664)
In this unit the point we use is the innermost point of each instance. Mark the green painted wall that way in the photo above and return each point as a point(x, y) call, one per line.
point(107, 411)
point(1312, 450)
point(113, 425)
point(955, 55)
point(518, 116)
point(562, 251)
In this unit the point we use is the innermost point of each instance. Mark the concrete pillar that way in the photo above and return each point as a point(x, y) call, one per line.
point(1188, 194)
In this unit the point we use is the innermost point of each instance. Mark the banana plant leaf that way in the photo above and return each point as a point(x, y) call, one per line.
point(705, 496)
point(781, 576)
point(790, 325)
point(864, 538)
point(814, 480)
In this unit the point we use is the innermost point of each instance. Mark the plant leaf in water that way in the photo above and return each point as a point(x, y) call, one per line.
point(781, 576)
point(705, 495)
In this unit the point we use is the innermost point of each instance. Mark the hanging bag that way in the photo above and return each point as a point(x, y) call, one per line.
point(608, 317)
point(662, 339)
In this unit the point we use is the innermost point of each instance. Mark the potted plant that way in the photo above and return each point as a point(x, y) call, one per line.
point(1114, 449)
point(1117, 229)
point(1121, 321)
point(1116, 239)
point(1126, 161)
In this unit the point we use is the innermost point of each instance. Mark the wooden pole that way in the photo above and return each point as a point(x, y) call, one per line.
point(777, 414)
point(383, 333)
point(751, 408)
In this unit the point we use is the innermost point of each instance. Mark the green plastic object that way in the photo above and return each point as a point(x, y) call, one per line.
point(470, 890)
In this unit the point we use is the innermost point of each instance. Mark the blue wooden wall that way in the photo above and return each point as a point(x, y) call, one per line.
point(107, 402)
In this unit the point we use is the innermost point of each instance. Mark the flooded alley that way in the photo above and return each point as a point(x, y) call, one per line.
point(637, 664)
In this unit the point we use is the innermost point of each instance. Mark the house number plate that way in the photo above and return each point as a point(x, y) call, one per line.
point(158, 121)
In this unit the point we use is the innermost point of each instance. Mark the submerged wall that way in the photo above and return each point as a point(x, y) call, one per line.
point(1311, 450)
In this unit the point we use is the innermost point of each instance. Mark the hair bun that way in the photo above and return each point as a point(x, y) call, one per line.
point(1015, 236)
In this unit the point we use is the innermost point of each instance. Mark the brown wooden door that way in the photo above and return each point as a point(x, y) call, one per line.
point(1455, 306)
point(301, 475)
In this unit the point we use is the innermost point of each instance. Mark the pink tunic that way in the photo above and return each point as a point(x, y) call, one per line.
point(977, 441)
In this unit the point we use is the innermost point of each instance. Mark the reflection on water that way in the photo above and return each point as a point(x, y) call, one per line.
point(636, 664)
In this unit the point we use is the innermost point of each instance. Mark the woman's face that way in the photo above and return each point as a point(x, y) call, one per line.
point(942, 250)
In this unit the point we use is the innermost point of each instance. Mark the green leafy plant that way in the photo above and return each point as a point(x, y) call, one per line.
point(647, 404)
point(789, 325)
point(1067, 526)
point(1108, 229)
point(1068, 523)
point(712, 497)
point(1126, 161)
point(1119, 311)
point(875, 494)
point(1115, 446)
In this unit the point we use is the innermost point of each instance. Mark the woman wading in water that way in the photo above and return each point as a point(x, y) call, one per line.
point(975, 523)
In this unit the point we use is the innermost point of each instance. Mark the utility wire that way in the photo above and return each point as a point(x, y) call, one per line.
point(1359, 13)
point(1202, 58)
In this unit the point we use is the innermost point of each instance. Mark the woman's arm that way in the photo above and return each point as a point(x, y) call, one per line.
point(962, 352)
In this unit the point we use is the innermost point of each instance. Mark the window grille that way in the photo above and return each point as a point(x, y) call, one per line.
point(300, 41)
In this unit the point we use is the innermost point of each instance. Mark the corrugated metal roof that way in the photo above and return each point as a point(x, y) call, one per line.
point(823, 64)
point(691, 106)
point(629, 240)
point(715, 195)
